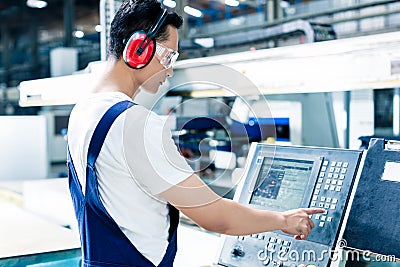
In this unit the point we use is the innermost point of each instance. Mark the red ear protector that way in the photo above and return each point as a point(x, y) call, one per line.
point(141, 46)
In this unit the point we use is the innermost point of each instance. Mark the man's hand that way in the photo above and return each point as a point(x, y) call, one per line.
point(298, 222)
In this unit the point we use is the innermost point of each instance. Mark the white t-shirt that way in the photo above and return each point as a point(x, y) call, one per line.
point(137, 162)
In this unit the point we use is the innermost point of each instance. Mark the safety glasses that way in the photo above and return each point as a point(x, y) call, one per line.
point(166, 56)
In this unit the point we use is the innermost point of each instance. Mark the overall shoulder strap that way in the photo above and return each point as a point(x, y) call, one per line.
point(102, 129)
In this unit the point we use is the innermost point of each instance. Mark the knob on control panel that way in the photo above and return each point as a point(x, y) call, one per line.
point(237, 252)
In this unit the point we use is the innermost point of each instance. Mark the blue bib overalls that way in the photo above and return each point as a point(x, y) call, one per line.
point(103, 243)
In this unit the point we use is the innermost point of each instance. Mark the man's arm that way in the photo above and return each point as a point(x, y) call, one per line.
point(197, 201)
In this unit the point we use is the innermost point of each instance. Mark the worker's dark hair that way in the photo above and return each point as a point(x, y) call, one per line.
point(136, 15)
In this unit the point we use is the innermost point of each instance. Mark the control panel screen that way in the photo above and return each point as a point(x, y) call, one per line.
point(281, 183)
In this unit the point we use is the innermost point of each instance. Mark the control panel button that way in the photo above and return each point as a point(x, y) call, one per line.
point(322, 198)
point(323, 169)
point(336, 176)
point(333, 163)
point(334, 200)
point(321, 205)
point(329, 219)
point(322, 174)
point(331, 169)
point(325, 163)
point(334, 182)
point(341, 176)
point(340, 182)
point(313, 203)
point(344, 170)
point(337, 170)
point(326, 187)
point(320, 180)
point(328, 199)
point(323, 218)
point(338, 188)
point(345, 164)
point(272, 239)
point(317, 216)
point(326, 206)
point(330, 175)
point(339, 164)
point(316, 192)
point(315, 197)
point(318, 186)
point(332, 188)
point(328, 181)
point(333, 206)
point(321, 224)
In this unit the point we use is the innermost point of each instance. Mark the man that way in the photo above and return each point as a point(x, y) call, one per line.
point(126, 174)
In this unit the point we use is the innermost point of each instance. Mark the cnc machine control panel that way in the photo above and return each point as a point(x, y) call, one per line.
point(281, 178)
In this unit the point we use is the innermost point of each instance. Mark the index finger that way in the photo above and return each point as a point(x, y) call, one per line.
point(311, 211)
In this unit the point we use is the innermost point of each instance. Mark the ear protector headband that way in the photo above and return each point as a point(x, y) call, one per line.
point(141, 46)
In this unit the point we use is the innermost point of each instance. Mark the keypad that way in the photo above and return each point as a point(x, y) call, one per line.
point(330, 177)
point(273, 245)
point(330, 182)
point(276, 244)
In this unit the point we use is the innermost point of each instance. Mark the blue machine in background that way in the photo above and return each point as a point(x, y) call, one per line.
point(259, 129)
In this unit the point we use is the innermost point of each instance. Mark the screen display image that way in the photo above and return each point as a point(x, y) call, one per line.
point(281, 183)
